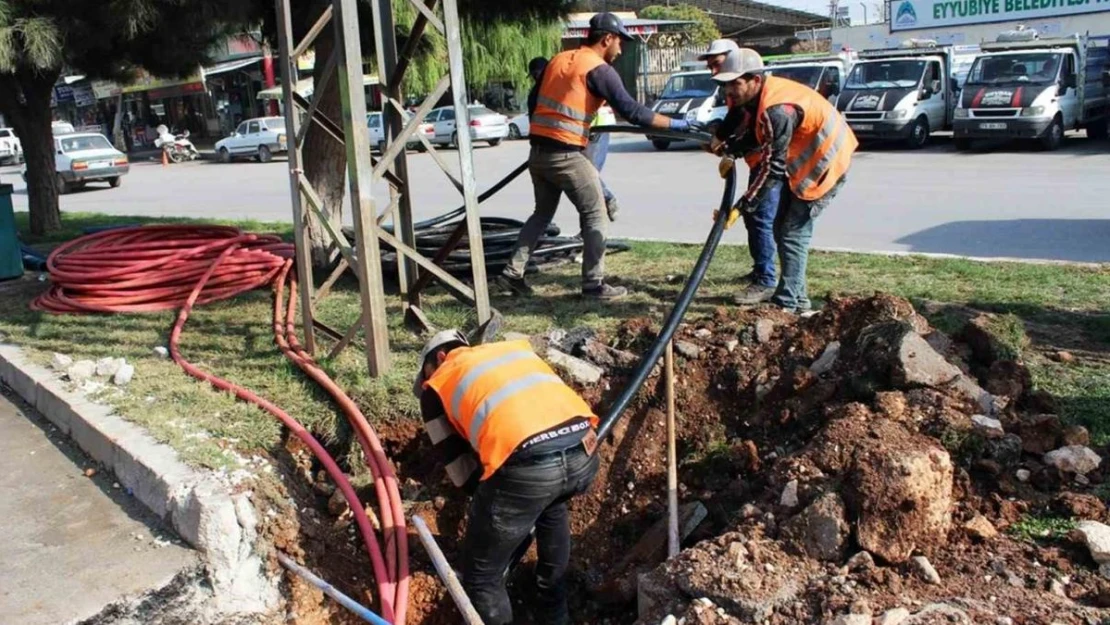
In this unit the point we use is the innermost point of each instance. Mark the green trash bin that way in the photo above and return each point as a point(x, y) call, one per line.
point(11, 259)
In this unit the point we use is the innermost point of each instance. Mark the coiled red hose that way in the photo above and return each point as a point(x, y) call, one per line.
point(155, 268)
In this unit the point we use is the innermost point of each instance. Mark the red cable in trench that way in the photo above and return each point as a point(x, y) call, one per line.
point(155, 268)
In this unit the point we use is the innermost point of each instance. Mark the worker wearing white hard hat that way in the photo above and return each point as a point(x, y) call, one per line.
point(716, 53)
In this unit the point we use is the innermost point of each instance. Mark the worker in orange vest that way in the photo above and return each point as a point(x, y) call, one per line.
point(576, 83)
point(805, 151)
point(523, 441)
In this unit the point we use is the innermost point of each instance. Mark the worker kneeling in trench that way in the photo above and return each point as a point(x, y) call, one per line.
point(522, 442)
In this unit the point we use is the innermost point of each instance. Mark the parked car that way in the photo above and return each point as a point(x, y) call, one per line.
point(377, 132)
point(258, 138)
point(61, 128)
point(519, 126)
point(84, 157)
point(11, 150)
point(485, 125)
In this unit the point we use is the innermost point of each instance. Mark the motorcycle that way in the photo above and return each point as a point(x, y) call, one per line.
point(178, 148)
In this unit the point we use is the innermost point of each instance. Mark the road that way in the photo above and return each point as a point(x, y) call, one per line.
point(1010, 202)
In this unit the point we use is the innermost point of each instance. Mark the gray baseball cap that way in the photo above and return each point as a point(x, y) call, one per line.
point(718, 47)
point(446, 337)
point(738, 63)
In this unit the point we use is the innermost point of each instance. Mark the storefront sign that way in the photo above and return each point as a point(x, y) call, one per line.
point(176, 91)
point(83, 94)
point(103, 89)
point(63, 94)
point(633, 29)
point(146, 82)
point(918, 14)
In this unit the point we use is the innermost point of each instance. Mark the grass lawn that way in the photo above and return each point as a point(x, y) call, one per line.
point(1059, 307)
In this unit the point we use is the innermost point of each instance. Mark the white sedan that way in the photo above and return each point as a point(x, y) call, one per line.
point(11, 150)
point(519, 126)
point(485, 125)
point(85, 157)
point(258, 138)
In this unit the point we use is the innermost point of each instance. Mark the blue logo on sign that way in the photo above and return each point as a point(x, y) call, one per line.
point(906, 16)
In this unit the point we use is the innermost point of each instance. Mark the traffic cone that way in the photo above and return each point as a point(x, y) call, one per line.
point(165, 159)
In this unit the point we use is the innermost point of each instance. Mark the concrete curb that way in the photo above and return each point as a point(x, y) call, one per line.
point(200, 507)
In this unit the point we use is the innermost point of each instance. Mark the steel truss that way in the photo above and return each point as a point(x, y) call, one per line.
point(415, 272)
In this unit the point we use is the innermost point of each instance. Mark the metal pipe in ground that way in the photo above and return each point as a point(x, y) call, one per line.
point(672, 456)
point(446, 573)
point(329, 590)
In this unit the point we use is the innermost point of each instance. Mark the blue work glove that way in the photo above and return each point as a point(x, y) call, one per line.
point(680, 125)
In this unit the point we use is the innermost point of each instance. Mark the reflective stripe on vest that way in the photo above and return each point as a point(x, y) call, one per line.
point(821, 149)
point(564, 105)
point(499, 395)
point(605, 117)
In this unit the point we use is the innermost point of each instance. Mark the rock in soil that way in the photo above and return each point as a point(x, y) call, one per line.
point(789, 497)
point(987, 427)
point(852, 619)
point(925, 569)
point(81, 371)
point(764, 329)
point(123, 375)
point(107, 367)
point(60, 362)
point(1073, 459)
point(1097, 538)
point(820, 531)
point(897, 616)
point(1076, 435)
point(981, 528)
point(687, 350)
point(337, 503)
point(827, 361)
point(900, 492)
point(902, 359)
point(1040, 434)
point(1080, 506)
point(935, 613)
point(578, 370)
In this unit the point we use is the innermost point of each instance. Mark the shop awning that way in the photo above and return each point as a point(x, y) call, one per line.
point(305, 88)
point(231, 66)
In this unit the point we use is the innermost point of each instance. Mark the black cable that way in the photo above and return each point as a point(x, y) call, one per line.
point(676, 314)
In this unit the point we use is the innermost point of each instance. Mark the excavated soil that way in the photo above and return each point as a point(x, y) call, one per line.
point(888, 448)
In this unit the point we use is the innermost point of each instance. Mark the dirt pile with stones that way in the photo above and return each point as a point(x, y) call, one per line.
point(856, 466)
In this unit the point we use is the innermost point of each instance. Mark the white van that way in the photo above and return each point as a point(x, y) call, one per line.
point(688, 95)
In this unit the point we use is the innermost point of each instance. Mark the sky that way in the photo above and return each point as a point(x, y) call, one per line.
point(821, 7)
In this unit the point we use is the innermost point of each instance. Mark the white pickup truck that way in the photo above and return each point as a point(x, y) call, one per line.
point(903, 93)
point(1023, 87)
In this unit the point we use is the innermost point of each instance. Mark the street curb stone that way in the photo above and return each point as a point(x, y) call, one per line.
point(201, 508)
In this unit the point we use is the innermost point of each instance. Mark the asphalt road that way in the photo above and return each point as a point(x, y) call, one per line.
point(1010, 202)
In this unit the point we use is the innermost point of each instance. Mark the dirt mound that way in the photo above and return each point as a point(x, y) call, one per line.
point(830, 453)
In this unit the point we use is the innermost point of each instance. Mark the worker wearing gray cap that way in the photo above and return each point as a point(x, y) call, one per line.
point(805, 149)
point(715, 55)
point(523, 441)
point(576, 83)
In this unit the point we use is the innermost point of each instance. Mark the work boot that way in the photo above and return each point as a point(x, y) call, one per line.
point(754, 294)
point(612, 208)
point(604, 292)
point(516, 286)
point(748, 278)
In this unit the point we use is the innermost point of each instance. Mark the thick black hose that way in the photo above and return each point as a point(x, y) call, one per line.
point(676, 314)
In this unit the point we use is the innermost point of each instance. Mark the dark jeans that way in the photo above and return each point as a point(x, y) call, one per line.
point(503, 512)
point(597, 151)
point(761, 234)
point(553, 174)
point(793, 232)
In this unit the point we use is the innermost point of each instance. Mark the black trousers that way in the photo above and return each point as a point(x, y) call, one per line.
point(519, 496)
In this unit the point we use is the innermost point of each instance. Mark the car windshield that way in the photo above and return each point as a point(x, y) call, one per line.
point(1014, 69)
point(5, 133)
point(84, 142)
point(689, 86)
point(807, 75)
point(886, 75)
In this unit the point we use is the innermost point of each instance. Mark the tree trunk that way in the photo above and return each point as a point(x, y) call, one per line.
point(25, 102)
point(325, 159)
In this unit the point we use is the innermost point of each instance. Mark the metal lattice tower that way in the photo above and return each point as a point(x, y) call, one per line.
point(415, 271)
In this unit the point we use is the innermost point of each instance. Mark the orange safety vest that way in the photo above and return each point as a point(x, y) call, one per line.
point(499, 395)
point(564, 105)
point(821, 150)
